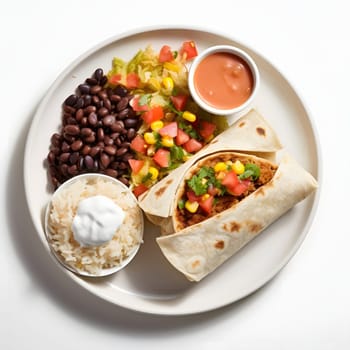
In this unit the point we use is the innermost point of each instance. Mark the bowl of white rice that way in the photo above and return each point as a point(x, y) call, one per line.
point(93, 257)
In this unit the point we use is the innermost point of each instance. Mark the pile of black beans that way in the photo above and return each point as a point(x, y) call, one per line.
point(98, 126)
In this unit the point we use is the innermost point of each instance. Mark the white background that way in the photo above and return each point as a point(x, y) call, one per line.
point(306, 306)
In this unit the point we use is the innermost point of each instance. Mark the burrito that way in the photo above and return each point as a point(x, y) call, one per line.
point(250, 134)
point(225, 200)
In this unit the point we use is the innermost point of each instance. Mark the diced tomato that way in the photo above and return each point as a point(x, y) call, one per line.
point(162, 158)
point(115, 79)
point(192, 145)
point(154, 114)
point(181, 137)
point(207, 204)
point(138, 144)
point(189, 49)
point(135, 104)
point(169, 130)
point(132, 81)
point(136, 165)
point(139, 189)
point(212, 190)
point(230, 181)
point(165, 54)
point(240, 188)
point(206, 129)
point(179, 101)
point(192, 197)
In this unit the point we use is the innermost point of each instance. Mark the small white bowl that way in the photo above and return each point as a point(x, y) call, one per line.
point(236, 111)
point(119, 188)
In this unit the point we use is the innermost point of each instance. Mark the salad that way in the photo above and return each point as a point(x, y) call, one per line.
point(173, 126)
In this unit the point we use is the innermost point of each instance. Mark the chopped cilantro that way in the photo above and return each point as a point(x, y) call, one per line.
point(200, 182)
point(250, 170)
point(181, 204)
point(147, 177)
point(176, 153)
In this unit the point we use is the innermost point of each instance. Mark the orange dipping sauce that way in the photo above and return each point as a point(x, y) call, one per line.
point(223, 80)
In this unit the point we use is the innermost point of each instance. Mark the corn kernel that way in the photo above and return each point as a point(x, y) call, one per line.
point(167, 141)
point(149, 138)
point(205, 197)
point(191, 206)
point(168, 83)
point(220, 166)
point(221, 175)
point(171, 66)
point(238, 167)
point(154, 84)
point(189, 116)
point(154, 172)
point(157, 125)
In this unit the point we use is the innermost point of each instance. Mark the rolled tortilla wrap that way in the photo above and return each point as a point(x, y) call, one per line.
point(250, 134)
point(198, 250)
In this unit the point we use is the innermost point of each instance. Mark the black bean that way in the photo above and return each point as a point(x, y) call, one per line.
point(122, 104)
point(121, 151)
point(108, 120)
point(98, 126)
point(77, 145)
point(115, 98)
point(74, 157)
point(111, 150)
point(72, 129)
point(80, 103)
point(92, 119)
point(100, 134)
point(104, 160)
point(95, 89)
point(91, 81)
point(71, 100)
point(130, 123)
point(121, 91)
point(86, 132)
point(87, 100)
point(98, 74)
point(111, 172)
point(94, 151)
point(84, 88)
point(65, 147)
point(89, 162)
point(131, 134)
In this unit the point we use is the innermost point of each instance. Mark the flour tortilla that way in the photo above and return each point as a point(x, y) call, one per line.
point(198, 250)
point(250, 134)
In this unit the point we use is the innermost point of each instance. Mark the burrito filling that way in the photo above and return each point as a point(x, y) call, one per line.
point(219, 184)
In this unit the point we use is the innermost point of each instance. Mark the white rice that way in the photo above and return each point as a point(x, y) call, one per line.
point(93, 259)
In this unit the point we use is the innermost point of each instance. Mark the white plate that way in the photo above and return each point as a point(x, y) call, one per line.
point(149, 284)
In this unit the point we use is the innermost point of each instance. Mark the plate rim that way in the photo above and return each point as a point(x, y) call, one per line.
point(153, 28)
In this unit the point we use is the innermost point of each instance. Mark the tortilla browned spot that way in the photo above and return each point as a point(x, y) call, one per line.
point(220, 244)
point(169, 181)
point(254, 227)
point(261, 131)
point(259, 191)
point(240, 125)
point(231, 227)
point(195, 264)
point(160, 191)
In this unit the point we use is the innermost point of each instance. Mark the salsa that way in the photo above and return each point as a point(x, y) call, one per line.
point(223, 80)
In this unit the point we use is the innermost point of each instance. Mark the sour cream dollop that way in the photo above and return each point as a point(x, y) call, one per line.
point(96, 221)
